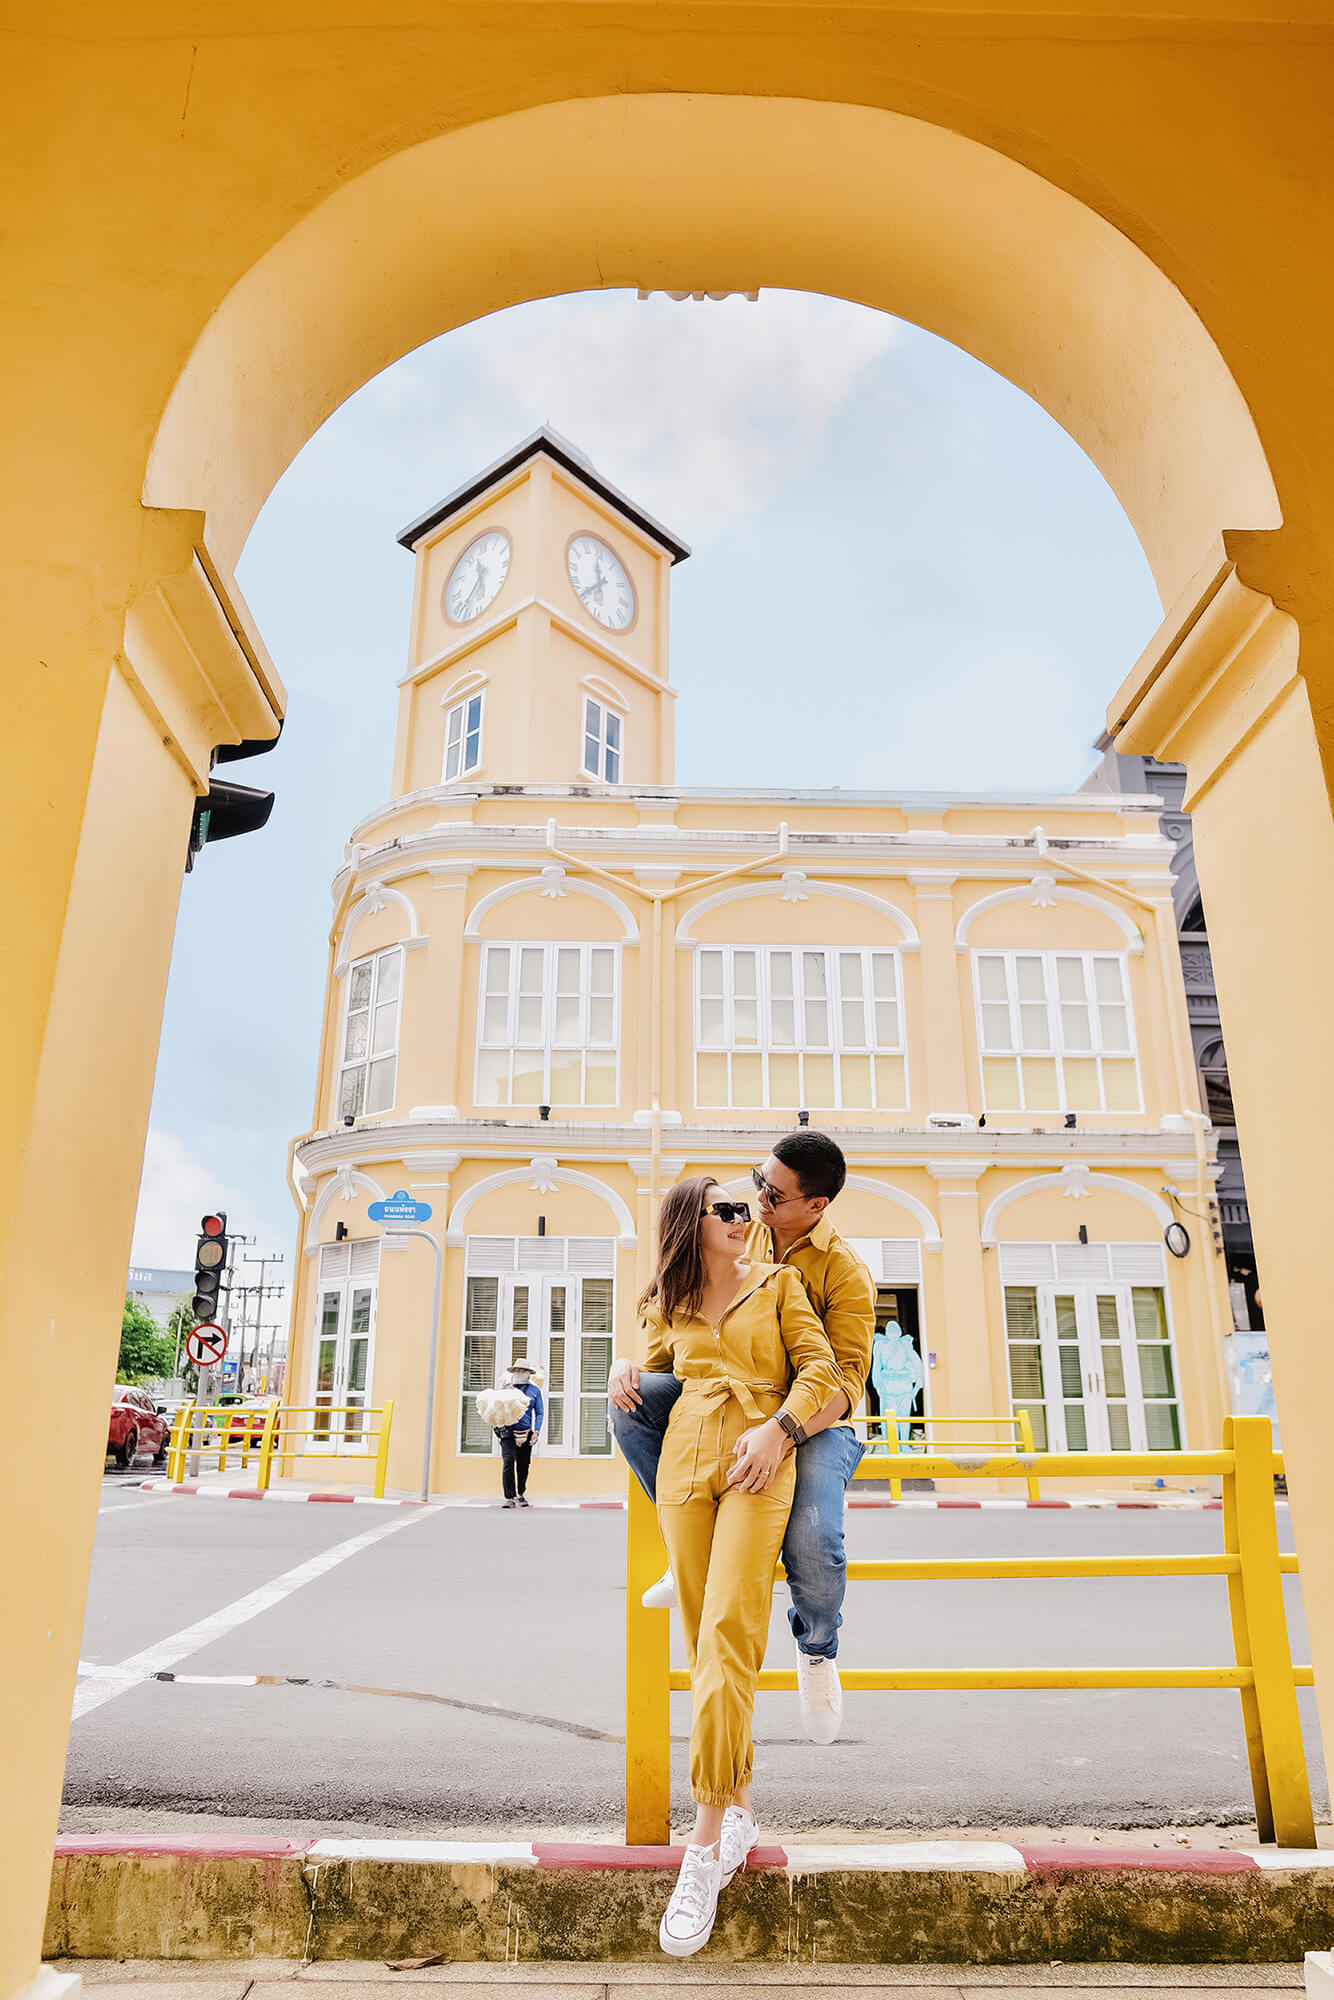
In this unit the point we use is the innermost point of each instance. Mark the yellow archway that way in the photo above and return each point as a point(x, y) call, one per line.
point(221, 236)
point(714, 193)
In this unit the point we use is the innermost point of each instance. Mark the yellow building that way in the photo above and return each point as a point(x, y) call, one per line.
point(532, 949)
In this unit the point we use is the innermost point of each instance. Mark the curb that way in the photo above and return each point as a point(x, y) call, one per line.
point(907, 1902)
point(197, 1491)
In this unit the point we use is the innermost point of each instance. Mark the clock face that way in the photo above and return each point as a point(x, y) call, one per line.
point(600, 583)
point(477, 576)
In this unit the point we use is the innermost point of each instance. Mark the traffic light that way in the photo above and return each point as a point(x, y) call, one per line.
point(226, 810)
point(210, 1263)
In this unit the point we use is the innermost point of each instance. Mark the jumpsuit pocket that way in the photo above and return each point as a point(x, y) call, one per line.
point(679, 1461)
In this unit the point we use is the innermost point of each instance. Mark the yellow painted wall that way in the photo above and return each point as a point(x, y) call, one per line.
point(1158, 283)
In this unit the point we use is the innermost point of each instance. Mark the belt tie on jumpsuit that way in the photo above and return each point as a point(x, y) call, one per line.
point(718, 1388)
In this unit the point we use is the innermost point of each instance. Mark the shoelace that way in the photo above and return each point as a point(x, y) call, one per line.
point(694, 1885)
point(817, 1680)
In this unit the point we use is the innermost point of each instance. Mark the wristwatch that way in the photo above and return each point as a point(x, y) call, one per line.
point(792, 1427)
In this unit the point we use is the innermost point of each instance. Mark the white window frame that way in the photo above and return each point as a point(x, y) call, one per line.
point(459, 709)
point(766, 1046)
point(547, 1044)
point(1091, 1396)
point(599, 731)
point(348, 1064)
point(345, 1271)
point(541, 1264)
point(1056, 1050)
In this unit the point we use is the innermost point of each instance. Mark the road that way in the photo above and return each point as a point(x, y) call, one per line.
point(463, 1671)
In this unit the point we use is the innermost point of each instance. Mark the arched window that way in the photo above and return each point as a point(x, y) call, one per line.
point(1193, 920)
point(1216, 1084)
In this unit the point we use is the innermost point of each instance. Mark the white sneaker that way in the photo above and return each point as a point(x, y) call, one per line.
point(740, 1834)
point(661, 1596)
point(688, 1919)
point(821, 1695)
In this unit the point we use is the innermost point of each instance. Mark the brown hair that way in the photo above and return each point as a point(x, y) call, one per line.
point(677, 1284)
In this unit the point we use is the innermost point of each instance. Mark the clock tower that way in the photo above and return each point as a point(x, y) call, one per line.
point(538, 650)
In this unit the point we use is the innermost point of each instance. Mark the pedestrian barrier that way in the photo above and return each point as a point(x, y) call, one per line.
point(1262, 1671)
point(216, 1432)
point(890, 1444)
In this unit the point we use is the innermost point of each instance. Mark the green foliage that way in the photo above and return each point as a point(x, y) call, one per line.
point(146, 1354)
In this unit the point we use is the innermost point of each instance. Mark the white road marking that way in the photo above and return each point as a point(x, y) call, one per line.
point(128, 1506)
point(105, 1683)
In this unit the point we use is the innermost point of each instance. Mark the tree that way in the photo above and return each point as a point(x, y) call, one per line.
point(180, 1320)
point(145, 1353)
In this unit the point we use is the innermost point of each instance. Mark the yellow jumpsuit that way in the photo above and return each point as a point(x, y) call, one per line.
point(768, 1353)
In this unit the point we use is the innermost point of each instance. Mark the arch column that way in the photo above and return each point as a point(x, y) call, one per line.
point(941, 1026)
point(1220, 691)
point(971, 1385)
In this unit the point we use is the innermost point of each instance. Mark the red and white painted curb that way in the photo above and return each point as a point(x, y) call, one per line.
point(1180, 1503)
point(955, 1857)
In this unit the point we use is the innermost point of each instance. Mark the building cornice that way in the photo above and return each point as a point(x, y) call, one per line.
point(989, 857)
point(418, 1143)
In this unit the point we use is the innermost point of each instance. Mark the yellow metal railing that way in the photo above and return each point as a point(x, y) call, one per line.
point(1262, 1671)
point(222, 1431)
point(889, 1444)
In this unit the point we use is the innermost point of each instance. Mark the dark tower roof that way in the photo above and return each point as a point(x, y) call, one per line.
point(550, 444)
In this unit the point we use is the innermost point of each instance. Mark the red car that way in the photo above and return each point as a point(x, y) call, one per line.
point(135, 1426)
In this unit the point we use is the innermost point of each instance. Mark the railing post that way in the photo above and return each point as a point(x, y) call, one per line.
point(266, 1445)
point(176, 1450)
point(892, 1445)
point(1254, 1529)
point(1025, 1422)
point(647, 1695)
point(382, 1447)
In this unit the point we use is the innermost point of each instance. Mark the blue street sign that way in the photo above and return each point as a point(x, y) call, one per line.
point(399, 1208)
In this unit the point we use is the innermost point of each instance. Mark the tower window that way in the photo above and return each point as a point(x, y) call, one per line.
point(370, 1034)
point(602, 742)
point(463, 738)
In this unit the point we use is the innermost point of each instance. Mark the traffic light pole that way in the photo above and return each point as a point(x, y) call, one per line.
point(427, 1237)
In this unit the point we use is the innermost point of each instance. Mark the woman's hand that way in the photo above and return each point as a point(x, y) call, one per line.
point(623, 1386)
point(757, 1457)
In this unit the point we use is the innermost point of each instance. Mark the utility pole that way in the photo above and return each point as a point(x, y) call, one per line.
point(260, 1292)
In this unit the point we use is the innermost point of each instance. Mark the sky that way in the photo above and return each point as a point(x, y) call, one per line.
point(904, 575)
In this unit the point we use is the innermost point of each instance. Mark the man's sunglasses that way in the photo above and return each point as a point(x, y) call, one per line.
point(729, 1211)
point(769, 1191)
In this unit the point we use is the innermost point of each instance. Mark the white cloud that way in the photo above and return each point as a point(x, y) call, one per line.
point(176, 1190)
point(704, 410)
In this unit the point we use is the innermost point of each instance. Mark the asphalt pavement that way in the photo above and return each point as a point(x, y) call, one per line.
point(462, 1669)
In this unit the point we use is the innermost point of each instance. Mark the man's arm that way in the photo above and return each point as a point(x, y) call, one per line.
point(849, 1322)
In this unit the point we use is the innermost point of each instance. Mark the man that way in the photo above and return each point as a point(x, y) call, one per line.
point(795, 1186)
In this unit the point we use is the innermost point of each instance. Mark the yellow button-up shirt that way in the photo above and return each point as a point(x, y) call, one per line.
point(768, 1350)
point(842, 1291)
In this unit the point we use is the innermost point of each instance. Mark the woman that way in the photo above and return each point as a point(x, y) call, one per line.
point(754, 1365)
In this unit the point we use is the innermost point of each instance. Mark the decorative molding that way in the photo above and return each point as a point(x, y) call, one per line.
point(465, 684)
point(1041, 892)
point(373, 898)
point(343, 1182)
point(1075, 1180)
point(604, 692)
point(863, 1184)
point(795, 886)
point(670, 1168)
point(548, 1176)
point(552, 881)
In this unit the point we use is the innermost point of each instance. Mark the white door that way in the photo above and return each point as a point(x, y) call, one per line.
point(1093, 1365)
point(562, 1322)
point(344, 1347)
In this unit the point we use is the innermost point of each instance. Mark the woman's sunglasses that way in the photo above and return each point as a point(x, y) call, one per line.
point(729, 1211)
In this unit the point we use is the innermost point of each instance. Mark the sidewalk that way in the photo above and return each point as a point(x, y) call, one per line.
point(243, 1485)
point(267, 1979)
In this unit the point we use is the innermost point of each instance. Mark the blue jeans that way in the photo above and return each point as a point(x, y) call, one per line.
point(813, 1553)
